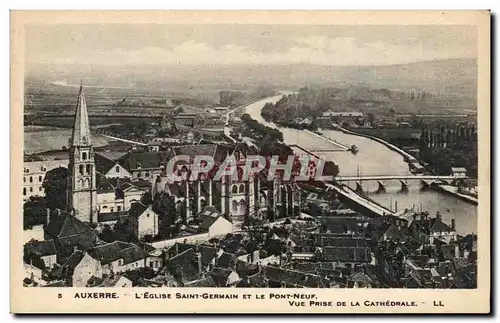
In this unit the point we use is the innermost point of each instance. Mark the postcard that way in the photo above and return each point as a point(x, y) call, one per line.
point(250, 162)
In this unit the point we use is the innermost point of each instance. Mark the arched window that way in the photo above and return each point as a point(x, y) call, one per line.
point(242, 188)
point(235, 206)
point(234, 190)
point(117, 169)
point(263, 198)
point(243, 207)
point(104, 207)
point(84, 156)
point(82, 182)
point(87, 182)
point(89, 169)
point(81, 169)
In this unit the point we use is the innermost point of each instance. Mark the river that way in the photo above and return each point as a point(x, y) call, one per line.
point(374, 158)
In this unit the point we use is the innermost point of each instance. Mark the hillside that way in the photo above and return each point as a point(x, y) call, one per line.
point(452, 76)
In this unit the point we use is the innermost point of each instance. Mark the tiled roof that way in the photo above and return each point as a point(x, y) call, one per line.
point(112, 216)
point(195, 150)
point(343, 242)
point(226, 260)
point(103, 164)
point(292, 278)
point(184, 263)
point(82, 242)
point(445, 267)
point(204, 282)
point(395, 234)
point(42, 248)
point(103, 184)
point(112, 251)
point(208, 253)
point(137, 209)
point(74, 260)
point(437, 225)
point(244, 268)
point(66, 225)
point(220, 276)
point(448, 251)
point(347, 254)
point(258, 280)
point(460, 263)
point(108, 252)
point(133, 253)
point(146, 160)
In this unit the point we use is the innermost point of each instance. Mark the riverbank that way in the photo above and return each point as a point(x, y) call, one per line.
point(407, 157)
point(453, 191)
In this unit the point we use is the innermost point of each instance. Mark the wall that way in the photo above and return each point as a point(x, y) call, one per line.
point(50, 260)
point(131, 197)
point(133, 265)
point(220, 227)
point(107, 202)
point(189, 239)
point(141, 173)
point(147, 223)
point(34, 174)
point(154, 262)
point(121, 173)
point(87, 268)
point(37, 273)
point(35, 233)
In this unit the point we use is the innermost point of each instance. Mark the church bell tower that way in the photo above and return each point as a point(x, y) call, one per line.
point(82, 193)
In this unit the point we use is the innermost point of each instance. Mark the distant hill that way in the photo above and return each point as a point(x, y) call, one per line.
point(450, 76)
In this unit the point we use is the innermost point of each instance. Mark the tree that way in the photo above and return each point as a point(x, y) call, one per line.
point(123, 231)
point(33, 259)
point(254, 228)
point(55, 185)
point(371, 118)
point(34, 212)
point(107, 234)
point(164, 205)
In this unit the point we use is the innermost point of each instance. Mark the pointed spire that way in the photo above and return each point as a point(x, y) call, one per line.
point(81, 128)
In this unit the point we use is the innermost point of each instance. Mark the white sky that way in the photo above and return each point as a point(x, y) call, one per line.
point(246, 44)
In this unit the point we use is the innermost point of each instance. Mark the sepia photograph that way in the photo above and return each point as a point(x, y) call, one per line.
point(195, 158)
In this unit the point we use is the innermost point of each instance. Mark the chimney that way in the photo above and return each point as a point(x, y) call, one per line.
point(453, 224)
point(457, 251)
point(47, 216)
point(198, 258)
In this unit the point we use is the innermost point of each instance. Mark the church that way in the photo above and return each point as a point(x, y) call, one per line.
point(100, 190)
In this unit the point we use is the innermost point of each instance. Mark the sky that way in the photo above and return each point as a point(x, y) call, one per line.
point(145, 44)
